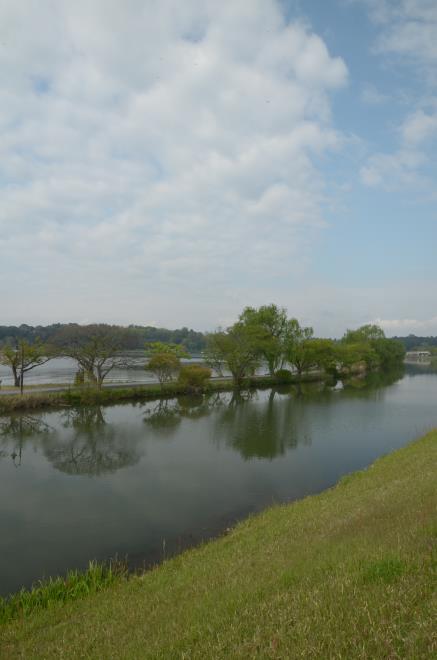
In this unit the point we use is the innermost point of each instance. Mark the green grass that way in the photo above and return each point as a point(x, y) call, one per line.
point(58, 590)
point(349, 573)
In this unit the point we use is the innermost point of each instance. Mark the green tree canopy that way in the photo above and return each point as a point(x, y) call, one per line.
point(272, 328)
point(165, 366)
point(297, 351)
point(365, 333)
point(237, 348)
point(159, 347)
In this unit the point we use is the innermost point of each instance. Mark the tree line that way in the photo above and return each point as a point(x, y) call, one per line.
point(133, 337)
point(261, 337)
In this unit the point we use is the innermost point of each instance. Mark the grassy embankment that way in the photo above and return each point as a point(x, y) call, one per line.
point(350, 573)
point(75, 396)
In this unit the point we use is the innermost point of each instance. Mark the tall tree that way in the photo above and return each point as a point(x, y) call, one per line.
point(96, 348)
point(237, 348)
point(273, 328)
point(297, 347)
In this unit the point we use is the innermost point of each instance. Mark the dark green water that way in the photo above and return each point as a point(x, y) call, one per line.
point(147, 480)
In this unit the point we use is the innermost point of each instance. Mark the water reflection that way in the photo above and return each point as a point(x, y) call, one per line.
point(92, 448)
point(95, 482)
point(16, 431)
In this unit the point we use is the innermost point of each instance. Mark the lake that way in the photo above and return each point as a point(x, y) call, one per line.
point(144, 481)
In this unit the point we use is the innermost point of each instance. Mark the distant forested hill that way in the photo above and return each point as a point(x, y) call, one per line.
point(135, 337)
point(412, 341)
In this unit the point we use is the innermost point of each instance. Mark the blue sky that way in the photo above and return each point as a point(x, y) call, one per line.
point(169, 163)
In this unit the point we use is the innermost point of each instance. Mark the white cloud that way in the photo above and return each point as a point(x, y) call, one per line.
point(418, 127)
point(392, 171)
point(148, 146)
point(402, 327)
point(411, 29)
point(407, 30)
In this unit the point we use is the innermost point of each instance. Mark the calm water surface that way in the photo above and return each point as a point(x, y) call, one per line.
point(146, 480)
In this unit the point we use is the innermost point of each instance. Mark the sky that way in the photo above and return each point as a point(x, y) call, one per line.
point(168, 163)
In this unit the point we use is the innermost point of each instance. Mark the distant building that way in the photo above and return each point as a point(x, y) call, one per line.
point(418, 356)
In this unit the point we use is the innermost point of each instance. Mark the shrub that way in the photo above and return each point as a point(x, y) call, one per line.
point(284, 375)
point(194, 375)
point(164, 365)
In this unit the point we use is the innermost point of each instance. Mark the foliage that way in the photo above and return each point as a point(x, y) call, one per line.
point(237, 348)
point(296, 347)
point(272, 327)
point(165, 366)
point(134, 337)
point(365, 333)
point(158, 347)
point(96, 348)
point(194, 375)
point(369, 344)
point(390, 351)
point(23, 357)
point(352, 354)
point(284, 376)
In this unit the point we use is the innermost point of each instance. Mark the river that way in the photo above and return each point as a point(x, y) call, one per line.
point(146, 480)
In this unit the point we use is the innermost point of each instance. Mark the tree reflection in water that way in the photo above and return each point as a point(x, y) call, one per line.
point(165, 415)
point(261, 429)
point(255, 429)
point(93, 447)
point(16, 431)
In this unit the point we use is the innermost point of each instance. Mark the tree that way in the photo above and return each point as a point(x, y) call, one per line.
point(297, 349)
point(391, 352)
point(273, 328)
point(376, 349)
point(165, 360)
point(165, 366)
point(352, 354)
point(237, 348)
point(24, 357)
point(96, 349)
point(321, 353)
point(365, 333)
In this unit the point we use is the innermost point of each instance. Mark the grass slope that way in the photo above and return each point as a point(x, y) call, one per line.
point(346, 574)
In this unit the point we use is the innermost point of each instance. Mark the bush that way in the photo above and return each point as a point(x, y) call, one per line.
point(193, 375)
point(284, 376)
point(165, 366)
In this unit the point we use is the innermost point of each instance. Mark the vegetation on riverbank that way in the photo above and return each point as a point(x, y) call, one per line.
point(349, 573)
point(264, 337)
point(77, 396)
point(60, 590)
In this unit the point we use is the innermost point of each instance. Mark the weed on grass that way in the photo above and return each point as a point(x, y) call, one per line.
point(57, 590)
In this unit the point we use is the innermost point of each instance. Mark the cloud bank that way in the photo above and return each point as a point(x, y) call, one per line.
point(157, 159)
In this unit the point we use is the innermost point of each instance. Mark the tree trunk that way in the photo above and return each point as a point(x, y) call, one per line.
point(16, 377)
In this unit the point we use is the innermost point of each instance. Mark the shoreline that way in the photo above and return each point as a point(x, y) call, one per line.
point(75, 396)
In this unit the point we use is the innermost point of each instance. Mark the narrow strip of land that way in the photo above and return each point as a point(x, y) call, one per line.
point(346, 574)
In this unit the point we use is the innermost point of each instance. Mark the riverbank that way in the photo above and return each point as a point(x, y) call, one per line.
point(349, 573)
point(76, 396)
